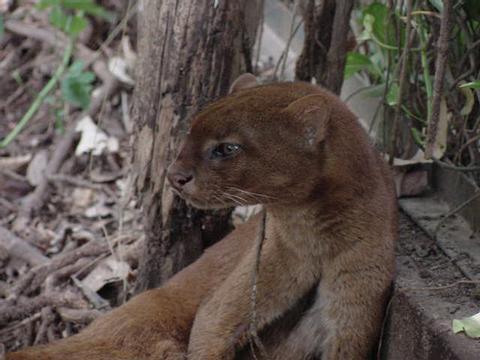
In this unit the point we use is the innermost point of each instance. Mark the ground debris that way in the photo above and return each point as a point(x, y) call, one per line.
point(62, 221)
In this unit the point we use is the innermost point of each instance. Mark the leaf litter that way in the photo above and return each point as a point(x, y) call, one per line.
point(64, 257)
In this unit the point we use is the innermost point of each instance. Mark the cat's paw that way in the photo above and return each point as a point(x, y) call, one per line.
point(169, 350)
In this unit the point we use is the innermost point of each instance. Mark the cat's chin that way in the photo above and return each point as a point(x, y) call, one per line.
point(205, 205)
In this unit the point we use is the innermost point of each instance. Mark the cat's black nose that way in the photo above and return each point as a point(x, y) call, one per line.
point(178, 179)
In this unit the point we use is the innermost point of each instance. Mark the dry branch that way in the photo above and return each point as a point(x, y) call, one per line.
point(35, 200)
point(324, 52)
point(440, 67)
point(20, 249)
point(50, 36)
point(402, 81)
point(336, 56)
point(28, 306)
point(180, 69)
point(48, 318)
point(54, 278)
point(37, 275)
point(78, 316)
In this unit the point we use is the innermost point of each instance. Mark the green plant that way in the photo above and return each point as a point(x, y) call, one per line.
point(2, 26)
point(379, 55)
point(69, 16)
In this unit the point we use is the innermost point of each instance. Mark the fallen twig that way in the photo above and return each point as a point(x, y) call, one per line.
point(19, 324)
point(455, 210)
point(35, 200)
point(54, 278)
point(110, 85)
point(40, 98)
point(78, 316)
point(20, 249)
point(37, 275)
point(27, 306)
point(13, 163)
point(48, 318)
point(442, 287)
point(97, 301)
point(50, 36)
point(75, 181)
point(454, 167)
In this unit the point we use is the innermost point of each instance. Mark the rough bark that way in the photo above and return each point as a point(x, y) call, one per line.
point(440, 69)
point(325, 47)
point(189, 53)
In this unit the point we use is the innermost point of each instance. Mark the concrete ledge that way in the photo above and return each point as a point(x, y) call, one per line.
point(421, 312)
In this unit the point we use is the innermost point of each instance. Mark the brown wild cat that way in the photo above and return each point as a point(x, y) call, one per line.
point(330, 226)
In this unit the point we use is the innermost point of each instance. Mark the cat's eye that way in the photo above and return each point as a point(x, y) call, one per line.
point(224, 150)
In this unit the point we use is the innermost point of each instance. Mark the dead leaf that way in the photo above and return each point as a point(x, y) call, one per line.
point(82, 197)
point(13, 163)
point(440, 144)
point(410, 183)
point(470, 325)
point(418, 158)
point(93, 139)
point(119, 68)
point(469, 99)
point(409, 179)
point(5, 5)
point(107, 271)
point(128, 53)
point(36, 168)
point(98, 210)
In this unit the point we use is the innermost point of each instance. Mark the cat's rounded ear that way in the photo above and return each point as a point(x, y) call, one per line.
point(244, 81)
point(313, 112)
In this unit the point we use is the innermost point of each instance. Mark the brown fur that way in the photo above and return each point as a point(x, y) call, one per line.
point(331, 224)
point(155, 324)
point(331, 220)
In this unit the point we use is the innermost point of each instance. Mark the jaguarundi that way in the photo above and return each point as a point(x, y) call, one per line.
point(330, 227)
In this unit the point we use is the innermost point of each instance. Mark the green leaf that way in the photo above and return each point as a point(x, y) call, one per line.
point(17, 77)
point(418, 137)
point(392, 94)
point(355, 63)
point(437, 4)
point(469, 100)
point(76, 86)
point(86, 77)
point(76, 68)
point(470, 325)
point(2, 26)
point(376, 20)
point(472, 9)
point(471, 85)
point(376, 91)
point(76, 93)
point(89, 7)
point(368, 22)
point(59, 115)
point(77, 25)
point(43, 4)
point(58, 18)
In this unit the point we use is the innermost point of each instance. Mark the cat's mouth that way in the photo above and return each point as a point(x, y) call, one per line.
point(204, 203)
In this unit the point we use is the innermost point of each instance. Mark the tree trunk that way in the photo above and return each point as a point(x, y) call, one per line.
point(325, 47)
point(189, 53)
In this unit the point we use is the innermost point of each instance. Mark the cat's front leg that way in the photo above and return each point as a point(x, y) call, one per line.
point(352, 305)
point(222, 323)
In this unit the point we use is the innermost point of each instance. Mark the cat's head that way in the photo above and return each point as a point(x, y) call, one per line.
point(261, 144)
